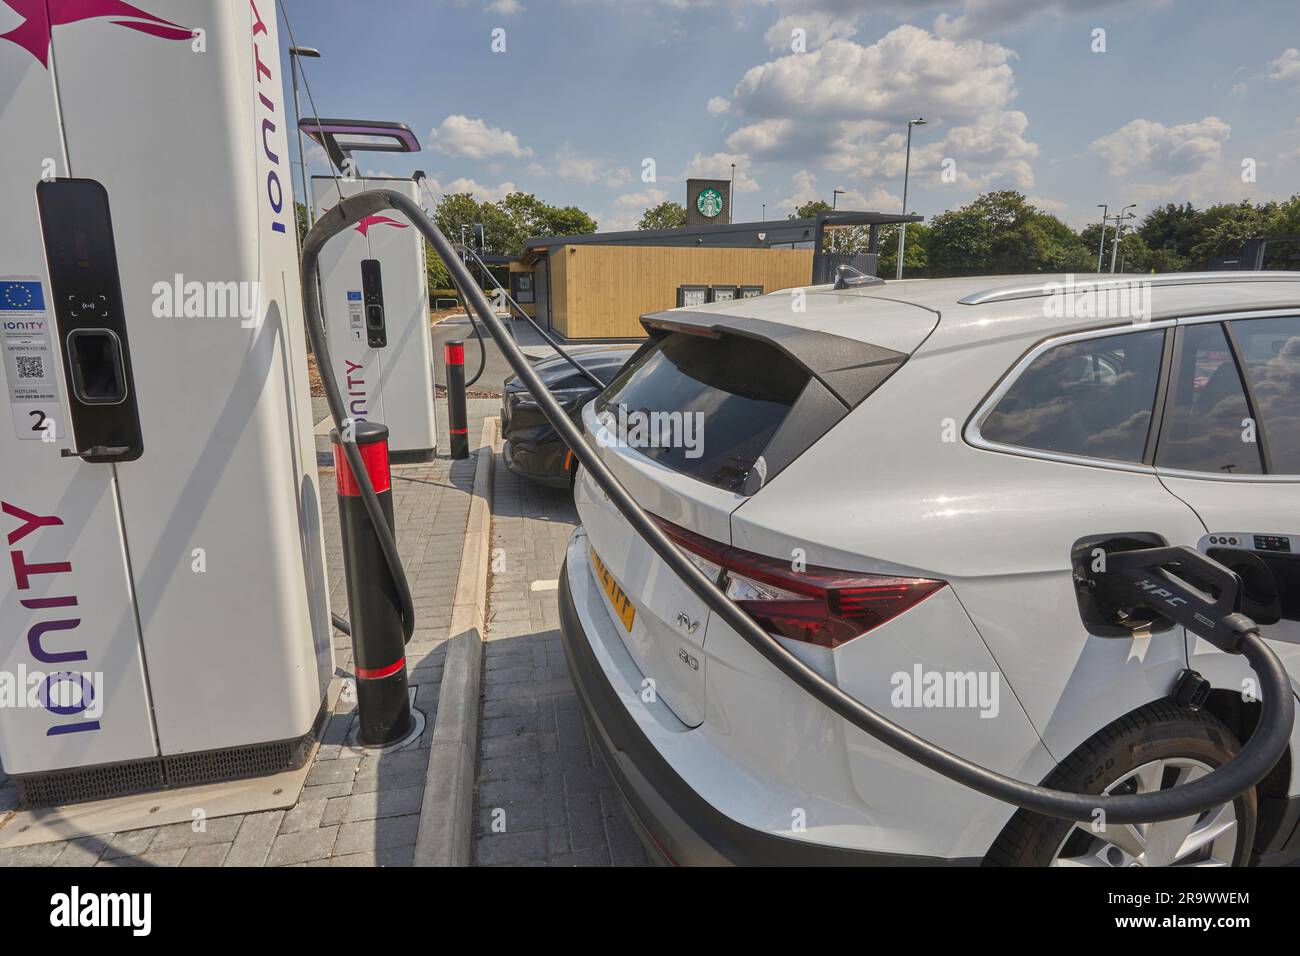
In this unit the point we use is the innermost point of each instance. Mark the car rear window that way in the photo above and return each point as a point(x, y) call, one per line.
point(1092, 398)
point(736, 390)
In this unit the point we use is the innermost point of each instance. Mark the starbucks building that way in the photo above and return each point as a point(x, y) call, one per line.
point(597, 286)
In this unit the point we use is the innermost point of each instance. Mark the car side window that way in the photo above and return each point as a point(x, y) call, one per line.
point(1270, 351)
point(1207, 424)
point(1092, 398)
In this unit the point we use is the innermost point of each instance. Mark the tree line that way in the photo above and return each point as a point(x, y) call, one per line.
point(997, 233)
point(507, 225)
point(1002, 233)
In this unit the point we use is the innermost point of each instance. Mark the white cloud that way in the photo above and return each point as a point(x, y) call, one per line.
point(459, 135)
point(767, 139)
point(905, 73)
point(877, 199)
point(628, 208)
point(505, 8)
point(572, 166)
point(1053, 206)
point(983, 17)
point(847, 105)
point(481, 192)
point(718, 166)
point(1152, 148)
point(718, 104)
point(991, 149)
point(641, 200)
point(805, 190)
point(1180, 163)
point(819, 26)
point(823, 19)
point(619, 220)
point(1286, 67)
point(316, 155)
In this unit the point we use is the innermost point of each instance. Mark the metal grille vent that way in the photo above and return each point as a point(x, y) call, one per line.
point(82, 784)
point(233, 763)
point(90, 783)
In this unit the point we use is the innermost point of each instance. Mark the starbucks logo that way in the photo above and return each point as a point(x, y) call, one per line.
point(709, 202)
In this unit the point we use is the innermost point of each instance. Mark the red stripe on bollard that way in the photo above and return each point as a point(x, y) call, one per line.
point(453, 353)
point(375, 457)
point(375, 673)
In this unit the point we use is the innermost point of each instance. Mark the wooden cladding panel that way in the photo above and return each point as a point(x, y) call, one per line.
point(602, 291)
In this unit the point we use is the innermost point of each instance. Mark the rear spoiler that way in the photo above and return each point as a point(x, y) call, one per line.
point(851, 370)
point(842, 372)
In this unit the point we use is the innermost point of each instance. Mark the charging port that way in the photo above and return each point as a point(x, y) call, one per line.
point(95, 358)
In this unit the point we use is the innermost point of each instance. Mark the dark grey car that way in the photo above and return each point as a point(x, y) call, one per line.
point(532, 448)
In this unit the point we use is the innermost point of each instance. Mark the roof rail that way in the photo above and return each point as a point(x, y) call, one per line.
point(1056, 287)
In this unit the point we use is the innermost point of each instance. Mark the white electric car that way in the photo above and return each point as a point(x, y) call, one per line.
point(899, 480)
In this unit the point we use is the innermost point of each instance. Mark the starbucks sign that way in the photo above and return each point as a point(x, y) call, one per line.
point(709, 203)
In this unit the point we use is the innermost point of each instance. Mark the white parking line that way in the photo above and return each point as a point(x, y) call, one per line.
point(549, 584)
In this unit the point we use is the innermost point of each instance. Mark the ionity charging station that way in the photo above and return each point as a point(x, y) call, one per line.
point(165, 593)
point(375, 292)
point(166, 587)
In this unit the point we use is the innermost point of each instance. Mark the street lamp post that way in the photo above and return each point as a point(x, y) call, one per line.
point(1105, 209)
point(294, 53)
point(731, 213)
point(1119, 232)
point(907, 168)
point(835, 196)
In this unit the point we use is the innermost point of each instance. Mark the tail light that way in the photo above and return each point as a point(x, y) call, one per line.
point(815, 605)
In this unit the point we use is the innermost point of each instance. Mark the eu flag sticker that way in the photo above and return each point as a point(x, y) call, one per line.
point(19, 296)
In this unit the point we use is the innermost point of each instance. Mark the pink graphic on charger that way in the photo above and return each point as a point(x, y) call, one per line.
point(365, 222)
point(364, 225)
point(40, 17)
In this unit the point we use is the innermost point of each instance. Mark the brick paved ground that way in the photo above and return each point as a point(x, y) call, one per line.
point(354, 810)
point(539, 774)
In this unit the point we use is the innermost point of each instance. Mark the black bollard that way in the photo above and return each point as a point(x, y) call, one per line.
point(378, 647)
point(453, 356)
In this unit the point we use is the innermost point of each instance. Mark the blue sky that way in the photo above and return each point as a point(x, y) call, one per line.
point(585, 91)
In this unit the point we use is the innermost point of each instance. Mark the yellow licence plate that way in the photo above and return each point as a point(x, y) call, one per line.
point(621, 602)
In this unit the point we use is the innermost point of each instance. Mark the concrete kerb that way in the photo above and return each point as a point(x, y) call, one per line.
point(445, 834)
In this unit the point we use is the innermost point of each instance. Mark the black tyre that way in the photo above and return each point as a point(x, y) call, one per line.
point(1156, 747)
